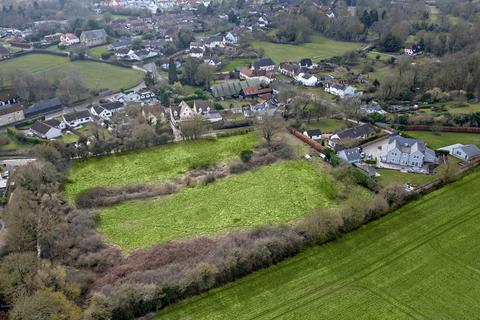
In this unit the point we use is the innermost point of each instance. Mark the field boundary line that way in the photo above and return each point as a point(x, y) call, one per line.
point(394, 302)
point(335, 286)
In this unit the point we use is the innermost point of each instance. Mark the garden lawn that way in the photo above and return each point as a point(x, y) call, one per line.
point(319, 48)
point(326, 125)
point(268, 195)
point(97, 51)
point(155, 164)
point(443, 139)
point(232, 65)
point(96, 75)
point(420, 262)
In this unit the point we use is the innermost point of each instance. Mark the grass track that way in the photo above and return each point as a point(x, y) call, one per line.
point(272, 194)
point(94, 73)
point(154, 164)
point(420, 262)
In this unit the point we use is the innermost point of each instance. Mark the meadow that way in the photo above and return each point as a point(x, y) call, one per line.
point(419, 262)
point(268, 195)
point(96, 75)
point(154, 164)
point(317, 49)
point(442, 139)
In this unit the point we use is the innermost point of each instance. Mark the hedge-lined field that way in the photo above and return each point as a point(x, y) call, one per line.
point(443, 139)
point(419, 262)
point(154, 164)
point(270, 195)
point(317, 49)
point(96, 75)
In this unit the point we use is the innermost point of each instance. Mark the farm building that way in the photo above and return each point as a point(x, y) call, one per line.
point(11, 114)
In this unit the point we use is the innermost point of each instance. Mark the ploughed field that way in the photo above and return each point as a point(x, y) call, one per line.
point(419, 262)
point(96, 75)
point(268, 195)
point(155, 164)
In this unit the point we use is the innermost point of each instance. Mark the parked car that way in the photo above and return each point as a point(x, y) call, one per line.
point(5, 174)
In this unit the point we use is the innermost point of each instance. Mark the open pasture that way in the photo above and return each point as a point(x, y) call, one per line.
point(317, 49)
point(96, 75)
point(419, 262)
point(155, 164)
point(268, 195)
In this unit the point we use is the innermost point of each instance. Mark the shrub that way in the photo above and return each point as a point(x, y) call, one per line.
point(4, 140)
point(246, 155)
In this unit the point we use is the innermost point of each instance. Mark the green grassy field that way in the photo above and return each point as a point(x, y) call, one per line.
point(55, 67)
point(97, 51)
point(271, 194)
point(232, 65)
point(443, 139)
point(319, 48)
point(155, 164)
point(420, 262)
point(326, 125)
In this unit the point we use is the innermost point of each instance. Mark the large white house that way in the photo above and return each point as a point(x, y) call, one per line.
point(307, 80)
point(342, 91)
point(406, 152)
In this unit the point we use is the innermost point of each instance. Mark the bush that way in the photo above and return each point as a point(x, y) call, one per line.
point(4, 140)
point(246, 155)
point(217, 106)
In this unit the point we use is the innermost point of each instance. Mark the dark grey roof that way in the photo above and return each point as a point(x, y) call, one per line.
point(94, 34)
point(44, 106)
point(352, 154)
point(314, 132)
point(263, 63)
point(356, 132)
point(77, 115)
point(471, 150)
point(406, 142)
point(306, 62)
point(98, 109)
point(40, 127)
point(112, 105)
point(52, 122)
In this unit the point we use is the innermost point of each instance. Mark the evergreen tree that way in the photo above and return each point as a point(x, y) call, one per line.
point(172, 71)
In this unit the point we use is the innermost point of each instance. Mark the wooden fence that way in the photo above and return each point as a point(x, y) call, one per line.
point(312, 143)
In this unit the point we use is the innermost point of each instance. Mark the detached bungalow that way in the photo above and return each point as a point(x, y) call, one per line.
point(356, 133)
point(76, 119)
point(49, 129)
point(314, 134)
point(464, 152)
